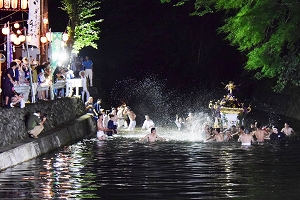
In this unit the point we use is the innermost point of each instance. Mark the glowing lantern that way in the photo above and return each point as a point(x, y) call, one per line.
point(1, 4)
point(16, 25)
point(22, 38)
point(24, 4)
point(14, 4)
point(13, 37)
point(6, 4)
point(45, 21)
point(5, 30)
point(65, 37)
point(17, 41)
point(43, 39)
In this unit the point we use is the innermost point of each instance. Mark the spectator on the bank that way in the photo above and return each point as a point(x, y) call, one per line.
point(18, 98)
point(148, 123)
point(10, 79)
point(42, 82)
point(275, 135)
point(287, 129)
point(97, 105)
point(88, 65)
point(35, 124)
point(25, 68)
point(78, 67)
point(85, 90)
point(58, 75)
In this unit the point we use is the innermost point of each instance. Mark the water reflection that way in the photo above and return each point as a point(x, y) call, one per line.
point(124, 169)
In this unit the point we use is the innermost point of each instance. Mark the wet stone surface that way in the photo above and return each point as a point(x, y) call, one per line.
point(12, 126)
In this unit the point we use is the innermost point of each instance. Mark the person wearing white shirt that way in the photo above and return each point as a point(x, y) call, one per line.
point(148, 123)
point(84, 86)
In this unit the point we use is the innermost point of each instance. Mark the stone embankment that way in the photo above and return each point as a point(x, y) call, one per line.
point(66, 123)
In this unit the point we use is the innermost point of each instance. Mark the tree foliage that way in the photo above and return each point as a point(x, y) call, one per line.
point(82, 29)
point(267, 31)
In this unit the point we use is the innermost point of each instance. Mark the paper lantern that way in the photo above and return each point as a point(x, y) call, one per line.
point(24, 4)
point(17, 41)
point(43, 39)
point(14, 4)
point(22, 38)
point(13, 37)
point(65, 37)
point(5, 30)
point(17, 25)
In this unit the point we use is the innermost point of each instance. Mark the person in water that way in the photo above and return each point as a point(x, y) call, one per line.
point(132, 117)
point(276, 135)
point(260, 133)
point(100, 132)
point(287, 130)
point(217, 136)
point(246, 138)
point(152, 137)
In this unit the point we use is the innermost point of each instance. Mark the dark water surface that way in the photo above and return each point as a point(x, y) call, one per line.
point(124, 169)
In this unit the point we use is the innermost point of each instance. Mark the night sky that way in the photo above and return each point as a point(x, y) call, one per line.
point(143, 38)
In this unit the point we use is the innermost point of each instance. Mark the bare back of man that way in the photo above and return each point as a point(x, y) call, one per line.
point(246, 139)
point(131, 115)
point(260, 135)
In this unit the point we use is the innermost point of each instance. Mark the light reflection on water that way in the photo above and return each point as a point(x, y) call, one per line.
point(124, 169)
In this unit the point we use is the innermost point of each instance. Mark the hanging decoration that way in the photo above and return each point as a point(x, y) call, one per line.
point(13, 4)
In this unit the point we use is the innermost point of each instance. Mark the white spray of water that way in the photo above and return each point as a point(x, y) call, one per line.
point(193, 132)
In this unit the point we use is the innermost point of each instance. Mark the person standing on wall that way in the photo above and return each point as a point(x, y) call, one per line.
point(88, 66)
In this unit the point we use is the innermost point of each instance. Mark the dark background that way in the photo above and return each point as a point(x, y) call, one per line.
point(144, 44)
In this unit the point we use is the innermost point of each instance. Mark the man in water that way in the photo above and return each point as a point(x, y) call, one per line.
point(276, 135)
point(217, 136)
point(148, 123)
point(152, 137)
point(131, 117)
point(287, 129)
point(260, 133)
point(246, 138)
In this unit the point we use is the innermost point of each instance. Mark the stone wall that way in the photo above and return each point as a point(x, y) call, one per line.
point(59, 112)
point(61, 135)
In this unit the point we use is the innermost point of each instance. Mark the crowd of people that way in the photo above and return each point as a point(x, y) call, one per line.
point(110, 121)
point(255, 133)
point(42, 77)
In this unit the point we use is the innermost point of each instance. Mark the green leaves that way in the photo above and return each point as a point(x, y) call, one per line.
point(267, 31)
point(83, 29)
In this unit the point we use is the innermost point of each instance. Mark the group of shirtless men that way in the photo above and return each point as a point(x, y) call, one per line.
point(257, 133)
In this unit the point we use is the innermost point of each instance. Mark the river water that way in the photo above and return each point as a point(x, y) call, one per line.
point(122, 168)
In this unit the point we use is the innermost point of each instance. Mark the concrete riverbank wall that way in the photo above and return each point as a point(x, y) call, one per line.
point(50, 140)
point(12, 126)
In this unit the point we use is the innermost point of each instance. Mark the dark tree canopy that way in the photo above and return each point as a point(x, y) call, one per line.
point(267, 31)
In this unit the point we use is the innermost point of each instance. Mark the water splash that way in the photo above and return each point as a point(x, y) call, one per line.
point(151, 96)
